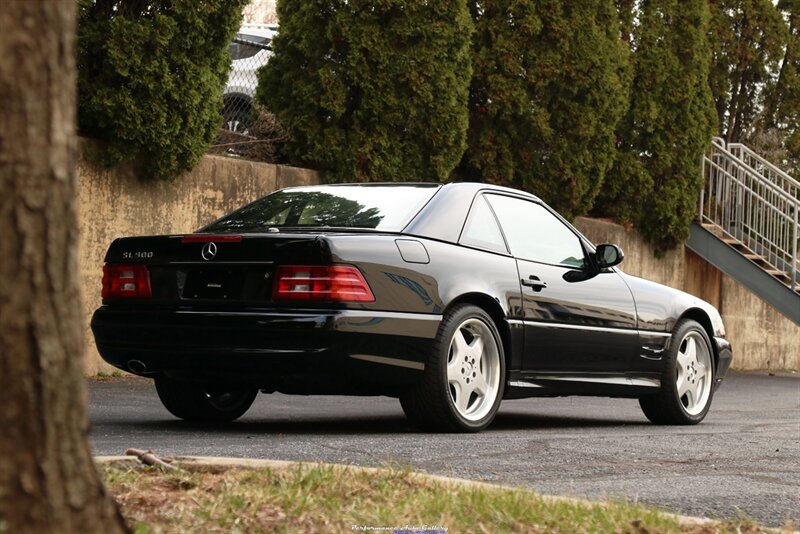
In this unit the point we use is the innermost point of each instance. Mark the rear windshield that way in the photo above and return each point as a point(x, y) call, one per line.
point(379, 207)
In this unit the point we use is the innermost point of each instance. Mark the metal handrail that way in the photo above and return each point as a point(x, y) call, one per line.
point(765, 168)
point(746, 170)
point(762, 213)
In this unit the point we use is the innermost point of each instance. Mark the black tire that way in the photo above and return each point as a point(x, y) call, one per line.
point(237, 115)
point(431, 403)
point(194, 401)
point(668, 407)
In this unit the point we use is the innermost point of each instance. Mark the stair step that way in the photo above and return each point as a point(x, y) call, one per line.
point(776, 273)
point(735, 243)
point(758, 260)
point(713, 228)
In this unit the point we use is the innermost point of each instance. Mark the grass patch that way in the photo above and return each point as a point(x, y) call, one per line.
point(102, 376)
point(319, 498)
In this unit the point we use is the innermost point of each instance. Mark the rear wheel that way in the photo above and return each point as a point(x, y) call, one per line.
point(464, 376)
point(687, 379)
point(196, 401)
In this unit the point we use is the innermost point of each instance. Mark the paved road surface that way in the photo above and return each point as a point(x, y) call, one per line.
point(743, 459)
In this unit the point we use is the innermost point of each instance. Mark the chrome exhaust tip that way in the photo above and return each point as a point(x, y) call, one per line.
point(137, 367)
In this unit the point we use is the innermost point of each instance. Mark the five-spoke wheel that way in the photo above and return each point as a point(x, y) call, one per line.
point(473, 369)
point(687, 380)
point(693, 373)
point(464, 377)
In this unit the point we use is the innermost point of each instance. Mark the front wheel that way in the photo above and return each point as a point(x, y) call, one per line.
point(196, 401)
point(464, 376)
point(686, 381)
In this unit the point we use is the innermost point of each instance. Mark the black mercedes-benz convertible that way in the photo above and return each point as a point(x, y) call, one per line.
point(448, 297)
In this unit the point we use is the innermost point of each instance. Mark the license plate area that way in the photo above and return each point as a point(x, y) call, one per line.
point(214, 284)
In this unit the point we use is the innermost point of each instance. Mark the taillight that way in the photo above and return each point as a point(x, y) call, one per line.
point(126, 281)
point(341, 283)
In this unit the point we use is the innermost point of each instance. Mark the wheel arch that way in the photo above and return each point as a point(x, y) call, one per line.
point(237, 96)
point(699, 315)
point(495, 311)
point(236, 101)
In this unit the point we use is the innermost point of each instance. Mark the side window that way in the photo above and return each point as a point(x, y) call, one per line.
point(481, 230)
point(535, 234)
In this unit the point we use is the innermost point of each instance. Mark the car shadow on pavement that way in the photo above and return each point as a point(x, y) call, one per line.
point(362, 425)
point(530, 421)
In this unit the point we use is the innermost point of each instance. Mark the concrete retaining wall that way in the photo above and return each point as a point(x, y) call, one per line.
point(114, 203)
point(762, 338)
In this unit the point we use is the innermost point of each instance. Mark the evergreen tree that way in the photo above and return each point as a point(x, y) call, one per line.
point(627, 182)
point(371, 90)
point(549, 87)
point(672, 116)
point(749, 38)
point(782, 107)
point(627, 12)
point(150, 78)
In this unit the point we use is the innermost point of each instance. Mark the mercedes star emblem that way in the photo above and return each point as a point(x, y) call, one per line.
point(209, 251)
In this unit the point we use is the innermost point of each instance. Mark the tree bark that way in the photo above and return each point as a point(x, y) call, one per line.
point(48, 480)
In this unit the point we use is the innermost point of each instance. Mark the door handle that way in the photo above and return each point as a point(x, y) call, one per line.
point(534, 283)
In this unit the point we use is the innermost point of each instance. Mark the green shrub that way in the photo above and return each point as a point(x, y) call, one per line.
point(674, 116)
point(371, 90)
point(550, 84)
point(656, 180)
point(150, 78)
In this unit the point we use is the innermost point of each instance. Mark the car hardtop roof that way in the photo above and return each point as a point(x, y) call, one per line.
point(259, 30)
point(475, 186)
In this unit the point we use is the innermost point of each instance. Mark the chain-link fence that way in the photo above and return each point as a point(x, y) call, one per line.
point(245, 131)
point(247, 55)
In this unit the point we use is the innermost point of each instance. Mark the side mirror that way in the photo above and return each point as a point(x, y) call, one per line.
point(608, 256)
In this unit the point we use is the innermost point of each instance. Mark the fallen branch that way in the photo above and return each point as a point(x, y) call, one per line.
point(149, 458)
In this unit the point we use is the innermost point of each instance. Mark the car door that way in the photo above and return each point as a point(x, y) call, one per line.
point(576, 319)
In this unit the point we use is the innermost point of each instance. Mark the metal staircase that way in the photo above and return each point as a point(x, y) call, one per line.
point(748, 224)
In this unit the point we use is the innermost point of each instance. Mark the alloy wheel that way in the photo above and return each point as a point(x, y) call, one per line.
point(473, 369)
point(692, 373)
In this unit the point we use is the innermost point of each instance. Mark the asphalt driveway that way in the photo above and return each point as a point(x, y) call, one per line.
point(743, 459)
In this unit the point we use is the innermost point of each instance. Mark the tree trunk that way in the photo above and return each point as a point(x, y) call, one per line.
point(48, 481)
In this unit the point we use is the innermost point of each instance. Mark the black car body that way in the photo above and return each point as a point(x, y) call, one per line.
point(356, 289)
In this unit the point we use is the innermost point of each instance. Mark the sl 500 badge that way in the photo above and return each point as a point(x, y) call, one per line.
point(136, 255)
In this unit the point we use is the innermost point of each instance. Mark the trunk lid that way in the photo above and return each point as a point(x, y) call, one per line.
point(197, 269)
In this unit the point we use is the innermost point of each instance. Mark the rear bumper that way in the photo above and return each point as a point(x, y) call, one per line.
point(330, 351)
point(724, 358)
